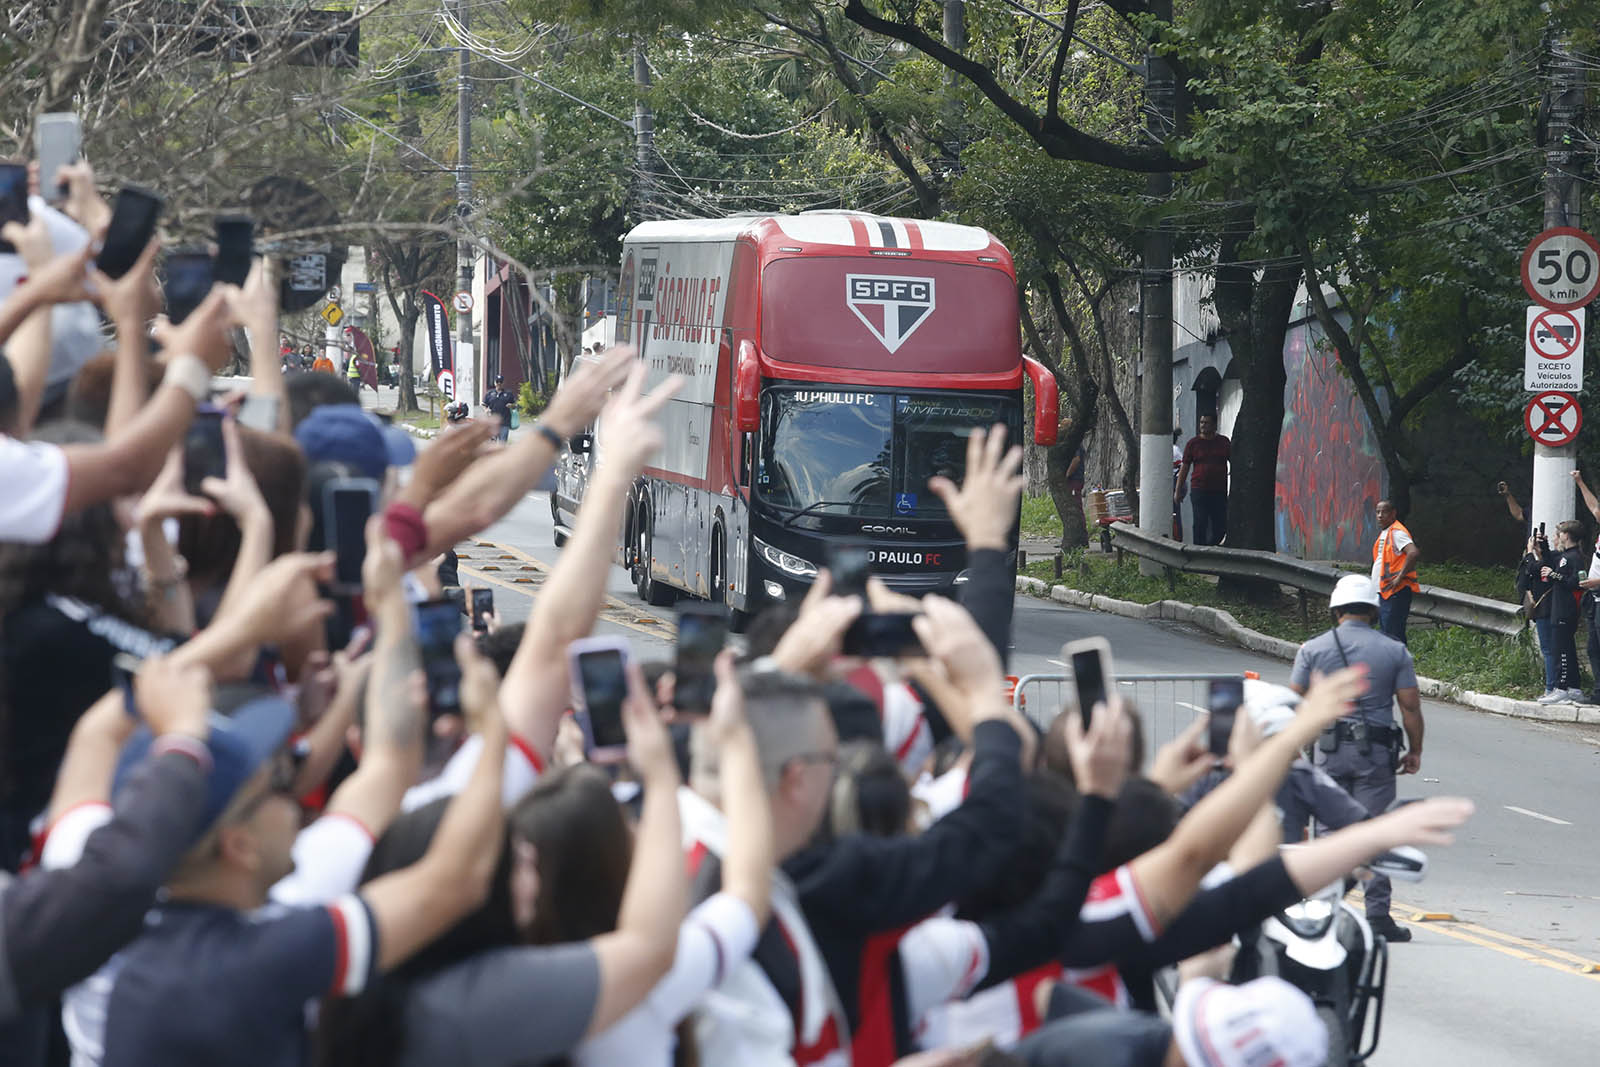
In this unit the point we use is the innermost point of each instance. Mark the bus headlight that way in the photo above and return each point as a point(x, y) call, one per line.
point(784, 561)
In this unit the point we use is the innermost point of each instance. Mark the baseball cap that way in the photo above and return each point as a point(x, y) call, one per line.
point(1354, 589)
point(241, 741)
point(1263, 1021)
point(346, 434)
point(402, 450)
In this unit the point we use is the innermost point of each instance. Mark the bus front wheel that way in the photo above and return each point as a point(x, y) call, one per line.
point(650, 591)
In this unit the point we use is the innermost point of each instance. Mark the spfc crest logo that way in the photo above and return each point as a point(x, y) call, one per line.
point(891, 306)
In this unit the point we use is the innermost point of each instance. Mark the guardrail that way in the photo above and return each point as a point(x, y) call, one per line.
point(1430, 602)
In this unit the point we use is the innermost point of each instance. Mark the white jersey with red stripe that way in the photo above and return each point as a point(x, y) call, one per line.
point(1005, 1013)
point(744, 1020)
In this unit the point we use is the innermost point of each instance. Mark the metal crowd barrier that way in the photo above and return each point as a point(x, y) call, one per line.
point(1167, 703)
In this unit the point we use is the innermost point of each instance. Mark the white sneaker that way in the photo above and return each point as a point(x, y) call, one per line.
point(1574, 696)
point(1551, 696)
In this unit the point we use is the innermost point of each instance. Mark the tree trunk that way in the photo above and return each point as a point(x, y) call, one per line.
point(1069, 505)
point(404, 355)
point(1255, 314)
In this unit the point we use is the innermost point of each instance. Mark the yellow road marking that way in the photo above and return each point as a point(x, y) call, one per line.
point(1519, 948)
point(641, 620)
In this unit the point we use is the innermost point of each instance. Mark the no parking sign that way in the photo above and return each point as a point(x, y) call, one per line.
point(1553, 419)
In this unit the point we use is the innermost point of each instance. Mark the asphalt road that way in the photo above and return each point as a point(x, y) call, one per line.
point(1501, 984)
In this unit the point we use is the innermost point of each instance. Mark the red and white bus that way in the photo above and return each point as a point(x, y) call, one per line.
point(834, 362)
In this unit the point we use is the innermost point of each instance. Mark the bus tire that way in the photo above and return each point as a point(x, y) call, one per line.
point(650, 591)
point(738, 621)
point(557, 533)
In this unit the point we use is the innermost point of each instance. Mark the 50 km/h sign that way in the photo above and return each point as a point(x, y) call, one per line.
point(1553, 353)
point(1561, 268)
point(1553, 419)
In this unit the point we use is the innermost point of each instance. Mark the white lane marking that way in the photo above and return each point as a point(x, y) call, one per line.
point(1536, 815)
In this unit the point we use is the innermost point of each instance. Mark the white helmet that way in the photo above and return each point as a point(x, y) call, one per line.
point(1271, 706)
point(1354, 589)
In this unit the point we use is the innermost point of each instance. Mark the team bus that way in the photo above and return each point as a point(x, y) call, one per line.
point(834, 362)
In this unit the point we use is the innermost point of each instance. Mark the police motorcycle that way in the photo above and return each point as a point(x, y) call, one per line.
point(1323, 945)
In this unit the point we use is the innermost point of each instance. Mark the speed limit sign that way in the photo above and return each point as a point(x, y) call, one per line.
point(1561, 268)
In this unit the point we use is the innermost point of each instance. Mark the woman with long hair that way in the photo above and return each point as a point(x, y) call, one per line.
point(485, 994)
point(67, 607)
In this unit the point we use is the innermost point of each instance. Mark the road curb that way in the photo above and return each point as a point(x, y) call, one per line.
point(1223, 624)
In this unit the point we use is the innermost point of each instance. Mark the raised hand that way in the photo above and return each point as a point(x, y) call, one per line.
point(727, 705)
point(649, 744)
point(1427, 822)
point(173, 699)
point(238, 492)
point(1184, 760)
point(480, 685)
point(84, 203)
point(131, 300)
point(205, 332)
point(1331, 697)
point(583, 394)
point(1100, 757)
point(950, 636)
point(283, 601)
point(629, 433)
point(444, 459)
point(166, 498)
point(985, 506)
point(817, 633)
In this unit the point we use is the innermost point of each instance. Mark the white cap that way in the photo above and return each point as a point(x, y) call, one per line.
point(1264, 1021)
point(1354, 589)
point(1271, 706)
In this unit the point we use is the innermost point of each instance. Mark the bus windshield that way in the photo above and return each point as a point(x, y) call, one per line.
point(868, 455)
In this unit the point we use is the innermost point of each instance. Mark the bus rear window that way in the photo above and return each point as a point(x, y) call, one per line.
point(890, 315)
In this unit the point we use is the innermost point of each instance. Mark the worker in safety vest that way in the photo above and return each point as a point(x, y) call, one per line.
point(1394, 571)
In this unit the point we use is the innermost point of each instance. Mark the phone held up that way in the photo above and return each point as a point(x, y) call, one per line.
point(205, 455)
point(1090, 662)
point(13, 197)
point(702, 631)
point(1224, 700)
point(482, 607)
point(57, 141)
point(850, 566)
point(599, 668)
point(347, 504)
point(437, 624)
point(133, 223)
point(886, 636)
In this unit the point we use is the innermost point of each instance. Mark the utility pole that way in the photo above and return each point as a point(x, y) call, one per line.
point(1553, 492)
point(644, 133)
point(465, 351)
point(1155, 279)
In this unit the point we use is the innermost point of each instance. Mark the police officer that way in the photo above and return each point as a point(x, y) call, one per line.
point(1362, 751)
point(1307, 792)
point(499, 401)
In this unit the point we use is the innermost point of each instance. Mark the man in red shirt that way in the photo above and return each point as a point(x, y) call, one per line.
point(1207, 456)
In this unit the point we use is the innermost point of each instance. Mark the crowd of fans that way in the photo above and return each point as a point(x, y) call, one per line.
point(232, 831)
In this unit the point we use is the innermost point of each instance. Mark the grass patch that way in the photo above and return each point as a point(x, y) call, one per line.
point(419, 420)
point(1496, 583)
point(1039, 519)
point(1486, 663)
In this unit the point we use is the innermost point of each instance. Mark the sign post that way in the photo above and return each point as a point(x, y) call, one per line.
point(1561, 272)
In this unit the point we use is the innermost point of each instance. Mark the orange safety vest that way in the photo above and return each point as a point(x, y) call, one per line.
point(1393, 558)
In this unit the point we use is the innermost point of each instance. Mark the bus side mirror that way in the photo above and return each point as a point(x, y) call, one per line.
point(1046, 401)
point(747, 390)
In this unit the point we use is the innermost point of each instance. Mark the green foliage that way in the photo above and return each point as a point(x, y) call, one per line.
point(532, 402)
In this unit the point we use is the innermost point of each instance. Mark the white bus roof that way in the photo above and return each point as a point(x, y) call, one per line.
point(848, 228)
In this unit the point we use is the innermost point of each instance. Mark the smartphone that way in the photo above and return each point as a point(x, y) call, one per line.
point(1227, 694)
point(599, 687)
point(437, 624)
point(13, 197)
point(850, 566)
point(347, 504)
point(57, 141)
point(189, 277)
point(702, 631)
point(1090, 660)
point(235, 253)
point(133, 223)
point(204, 453)
point(482, 607)
point(889, 636)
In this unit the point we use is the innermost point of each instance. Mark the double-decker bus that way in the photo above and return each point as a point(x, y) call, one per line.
point(834, 363)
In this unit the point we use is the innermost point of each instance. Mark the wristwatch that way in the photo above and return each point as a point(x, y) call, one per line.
point(555, 439)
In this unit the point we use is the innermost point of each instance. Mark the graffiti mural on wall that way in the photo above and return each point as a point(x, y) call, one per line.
point(1329, 472)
